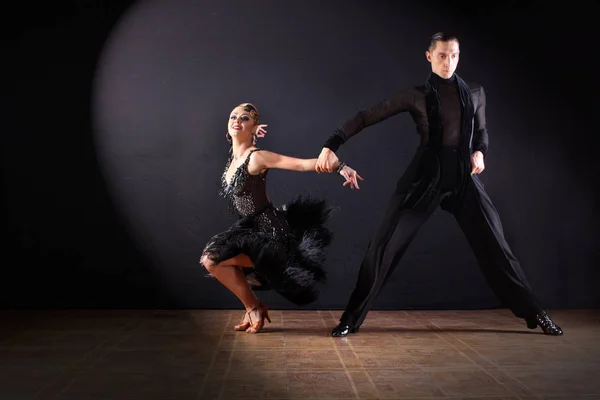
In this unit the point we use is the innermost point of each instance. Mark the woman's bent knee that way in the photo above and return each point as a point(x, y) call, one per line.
point(209, 264)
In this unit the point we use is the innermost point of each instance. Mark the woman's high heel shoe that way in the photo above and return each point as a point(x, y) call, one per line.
point(258, 322)
point(244, 323)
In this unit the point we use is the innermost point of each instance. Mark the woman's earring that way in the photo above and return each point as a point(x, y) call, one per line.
point(228, 137)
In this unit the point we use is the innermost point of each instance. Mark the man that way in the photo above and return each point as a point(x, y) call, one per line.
point(450, 117)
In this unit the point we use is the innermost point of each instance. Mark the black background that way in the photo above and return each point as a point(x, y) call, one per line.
point(113, 143)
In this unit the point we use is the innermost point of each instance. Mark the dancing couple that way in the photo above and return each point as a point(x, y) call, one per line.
point(283, 249)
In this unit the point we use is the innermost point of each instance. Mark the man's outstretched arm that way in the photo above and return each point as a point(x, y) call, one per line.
point(402, 101)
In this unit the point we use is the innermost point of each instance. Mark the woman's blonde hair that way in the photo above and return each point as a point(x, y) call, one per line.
point(251, 108)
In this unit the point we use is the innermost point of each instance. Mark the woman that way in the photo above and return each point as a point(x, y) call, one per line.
point(268, 248)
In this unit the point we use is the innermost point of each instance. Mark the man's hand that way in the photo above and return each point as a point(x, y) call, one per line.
point(327, 159)
point(477, 163)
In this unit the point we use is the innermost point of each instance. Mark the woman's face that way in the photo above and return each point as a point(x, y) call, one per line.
point(241, 123)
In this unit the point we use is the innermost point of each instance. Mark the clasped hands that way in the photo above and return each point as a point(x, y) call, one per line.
point(328, 160)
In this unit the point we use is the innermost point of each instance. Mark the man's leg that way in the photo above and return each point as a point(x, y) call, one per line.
point(481, 225)
point(392, 238)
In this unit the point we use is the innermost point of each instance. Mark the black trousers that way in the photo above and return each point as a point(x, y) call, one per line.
point(481, 225)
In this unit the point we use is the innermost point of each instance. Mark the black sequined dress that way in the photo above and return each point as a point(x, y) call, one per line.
point(286, 245)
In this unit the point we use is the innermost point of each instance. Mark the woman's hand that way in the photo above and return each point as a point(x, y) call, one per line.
point(351, 177)
point(261, 131)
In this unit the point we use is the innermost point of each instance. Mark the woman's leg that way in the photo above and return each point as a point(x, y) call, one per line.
point(230, 274)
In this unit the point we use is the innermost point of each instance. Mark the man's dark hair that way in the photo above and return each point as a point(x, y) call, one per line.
point(440, 37)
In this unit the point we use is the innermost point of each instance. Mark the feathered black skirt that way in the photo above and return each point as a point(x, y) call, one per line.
point(289, 259)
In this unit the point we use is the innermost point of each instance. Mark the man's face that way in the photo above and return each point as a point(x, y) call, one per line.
point(444, 58)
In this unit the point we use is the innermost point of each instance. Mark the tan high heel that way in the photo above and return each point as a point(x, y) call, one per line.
point(263, 313)
point(244, 323)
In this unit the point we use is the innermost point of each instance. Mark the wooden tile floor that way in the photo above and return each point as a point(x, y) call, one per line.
point(195, 354)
